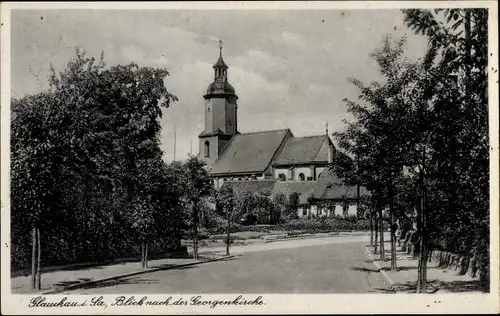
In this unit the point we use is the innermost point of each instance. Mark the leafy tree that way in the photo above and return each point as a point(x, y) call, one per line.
point(86, 159)
point(293, 205)
point(198, 186)
point(280, 201)
point(225, 199)
point(458, 167)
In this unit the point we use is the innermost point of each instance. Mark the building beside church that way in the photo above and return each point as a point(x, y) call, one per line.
point(274, 159)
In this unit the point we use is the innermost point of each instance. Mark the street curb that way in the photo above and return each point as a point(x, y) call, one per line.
point(391, 282)
point(123, 275)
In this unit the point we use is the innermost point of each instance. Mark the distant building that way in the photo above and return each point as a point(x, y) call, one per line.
point(274, 159)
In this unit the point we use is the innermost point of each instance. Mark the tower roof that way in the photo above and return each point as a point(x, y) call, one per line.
point(220, 86)
point(220, 63)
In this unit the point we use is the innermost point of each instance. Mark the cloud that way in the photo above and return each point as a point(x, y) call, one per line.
point(289, 68)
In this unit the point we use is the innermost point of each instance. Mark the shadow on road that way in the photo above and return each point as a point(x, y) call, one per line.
point(364, 269)
point(68, 283)
point(124, 281)
point(133, 280)
point(435, 286)
point(399, 268)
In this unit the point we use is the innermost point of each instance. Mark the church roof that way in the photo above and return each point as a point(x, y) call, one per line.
point(305, 189)
point(304, 150)
point(217, 132)
point(249, 153)
point(331, 187)
point(263, 187)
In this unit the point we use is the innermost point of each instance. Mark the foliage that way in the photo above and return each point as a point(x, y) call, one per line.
point(86, 159)
point(267, 210)
point(325, 224)
point(293, 205)
point(420, 136)
point(459, 166)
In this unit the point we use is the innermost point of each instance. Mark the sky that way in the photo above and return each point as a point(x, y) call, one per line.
point(290, 69)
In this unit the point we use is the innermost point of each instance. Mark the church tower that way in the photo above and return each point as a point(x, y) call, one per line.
point(220, 114)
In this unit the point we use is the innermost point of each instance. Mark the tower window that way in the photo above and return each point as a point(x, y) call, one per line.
point(302, 177)
point(208, 110)
point(207, 149)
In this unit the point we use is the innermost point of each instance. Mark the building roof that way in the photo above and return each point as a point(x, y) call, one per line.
point(249, 153)
point(330, 187)
point(302, 150)
point(263, 187)
point(217, 132)
point(305, 189)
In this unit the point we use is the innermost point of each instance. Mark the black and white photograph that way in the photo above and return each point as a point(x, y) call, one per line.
point(260, 157)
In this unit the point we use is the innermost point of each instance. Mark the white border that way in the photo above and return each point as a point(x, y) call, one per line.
point(344, 303)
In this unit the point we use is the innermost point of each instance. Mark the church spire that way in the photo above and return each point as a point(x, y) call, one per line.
point(220, 66)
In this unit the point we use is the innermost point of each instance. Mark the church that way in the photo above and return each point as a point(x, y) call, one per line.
point(269, 162)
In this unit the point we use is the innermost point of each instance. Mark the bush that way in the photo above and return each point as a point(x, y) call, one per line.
point(325, 224)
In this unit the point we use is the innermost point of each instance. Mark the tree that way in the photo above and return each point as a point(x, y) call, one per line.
point(293, 205)
point(198, 186)
point(280, 201)
point(381, 136)
point(458, 169)
point(225, 198)
point(84, 159)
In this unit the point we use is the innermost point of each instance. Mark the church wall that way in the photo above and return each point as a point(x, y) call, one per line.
point(213, 152)
point(231, 118)
point(219, 113)
point(305, 170)
point(208, 116)
point(286, 171)
point(304, 211)
point(353, 210)
point(339, 210)
point(319, 170)
point(219, 181)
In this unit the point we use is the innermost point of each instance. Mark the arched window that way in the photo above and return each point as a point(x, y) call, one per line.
point(302, 177)
point(282, 176)
point(207, 149)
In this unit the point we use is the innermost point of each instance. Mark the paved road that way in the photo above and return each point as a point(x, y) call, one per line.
point(312, 268)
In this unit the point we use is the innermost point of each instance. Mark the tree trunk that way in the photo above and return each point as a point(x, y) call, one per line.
point(393, 233)
point(393, 244)
point(195, 242)
point(39, 261)
point(228, 240)
point(146, 255)
point(195, 232)
point(142, 254)
point(371, 228)
point(375, 219)
point(33, 259)
point(422, 264)
point(382, 248)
